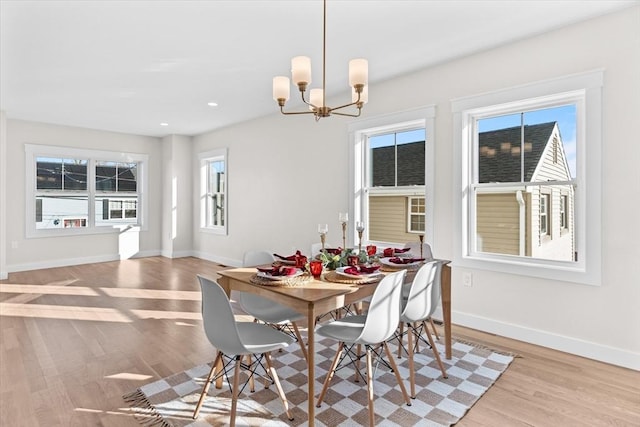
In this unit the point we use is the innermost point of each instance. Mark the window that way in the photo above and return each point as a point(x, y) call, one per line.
point(564, 223)
point(116, 192)
point(524, 156)
point(213, 191)
point(392, 170)
point(416, 215)
point(81, 189)
point(544, 214)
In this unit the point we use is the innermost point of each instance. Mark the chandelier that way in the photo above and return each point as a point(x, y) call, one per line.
point(301, 76)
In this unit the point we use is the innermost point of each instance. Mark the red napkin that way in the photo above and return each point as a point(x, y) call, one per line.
point(290, 257)
point(278, 270)
point(362, 269)
point(352, 271)
point(402, 250)
point(397, 260)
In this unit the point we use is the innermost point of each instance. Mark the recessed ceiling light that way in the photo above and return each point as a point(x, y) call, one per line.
point(212, 104)
point(164, 124)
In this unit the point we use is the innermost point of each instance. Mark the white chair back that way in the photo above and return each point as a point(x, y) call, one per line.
point(384, 310)
point(218, 319)
point(427, 254)
point(253, 258)
point(423, 297)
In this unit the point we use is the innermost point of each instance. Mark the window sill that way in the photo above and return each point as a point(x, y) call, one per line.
point(553, 270)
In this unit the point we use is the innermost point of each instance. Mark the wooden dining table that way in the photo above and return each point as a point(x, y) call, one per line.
point(317, 297)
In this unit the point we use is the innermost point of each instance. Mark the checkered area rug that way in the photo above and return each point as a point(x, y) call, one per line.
point(439, 401)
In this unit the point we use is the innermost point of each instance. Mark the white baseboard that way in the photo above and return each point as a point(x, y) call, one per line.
point(179, 254)
point(76, 261)
point(61, 263)
point(230, 262)
point(578, 347)
point(4, 275)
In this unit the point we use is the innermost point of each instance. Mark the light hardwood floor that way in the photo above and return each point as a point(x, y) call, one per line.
point(73, 340)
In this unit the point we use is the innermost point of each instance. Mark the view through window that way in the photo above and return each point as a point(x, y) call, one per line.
point(524, 183)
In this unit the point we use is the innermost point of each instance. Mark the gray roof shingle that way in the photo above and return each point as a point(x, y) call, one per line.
point(499, 163)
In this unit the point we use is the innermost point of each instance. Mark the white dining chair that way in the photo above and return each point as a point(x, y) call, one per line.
point(418, 304)
point(371, 331)
point(235, 340)
point(268, 311)
point(427, 254)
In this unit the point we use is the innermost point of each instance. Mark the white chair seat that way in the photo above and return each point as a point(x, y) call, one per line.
point(258, 338)
point(269, 311)
point(347, 329)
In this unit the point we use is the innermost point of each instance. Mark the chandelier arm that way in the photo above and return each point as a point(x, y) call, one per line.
point(347, 114)
point(290, 113)
point(343, 106)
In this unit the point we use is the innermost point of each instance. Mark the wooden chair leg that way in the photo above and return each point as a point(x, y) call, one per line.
point(435, 352)
point(252, 384)
point(205, 388)
point(356, 375)
point(372, 415)
point(397, 373)
point(412, 379)
point(332, 371)
point(303, 347)
point(400, 332)
point(234, 394)
point(276, 380)
point(435, 331)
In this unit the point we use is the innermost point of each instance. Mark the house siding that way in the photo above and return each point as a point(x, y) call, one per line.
point(388, 219)
point(497, 223)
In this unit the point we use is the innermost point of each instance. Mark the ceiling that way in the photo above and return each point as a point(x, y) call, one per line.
point(128, 66)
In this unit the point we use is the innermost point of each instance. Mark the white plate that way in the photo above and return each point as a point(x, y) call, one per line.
point(386, 261)
point(270, 277)
point(340, 270)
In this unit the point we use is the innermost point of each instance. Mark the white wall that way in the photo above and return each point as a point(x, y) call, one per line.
point(289, 173)
point(3, 195)
point(176, 196)
point(28, 254)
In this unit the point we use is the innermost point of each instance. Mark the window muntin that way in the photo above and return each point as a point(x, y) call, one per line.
point(66, 190)
point(213, 191)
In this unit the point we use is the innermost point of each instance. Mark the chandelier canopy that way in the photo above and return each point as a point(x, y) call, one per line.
point(301, 76)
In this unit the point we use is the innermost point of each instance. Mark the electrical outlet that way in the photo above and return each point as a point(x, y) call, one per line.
point(467, 279)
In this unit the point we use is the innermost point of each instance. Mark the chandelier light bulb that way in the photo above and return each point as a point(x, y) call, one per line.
point(301, 70)
point(281, 88)
point(358, 72)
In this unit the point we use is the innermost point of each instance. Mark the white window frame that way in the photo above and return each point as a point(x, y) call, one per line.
point(33, 151)
point(204, 159)
point(586, 90)
point(411, 119)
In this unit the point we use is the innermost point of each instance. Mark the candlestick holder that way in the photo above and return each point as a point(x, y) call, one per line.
point(360, 230)
point(322, 230)
point(344, 235)
point(344, 218)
